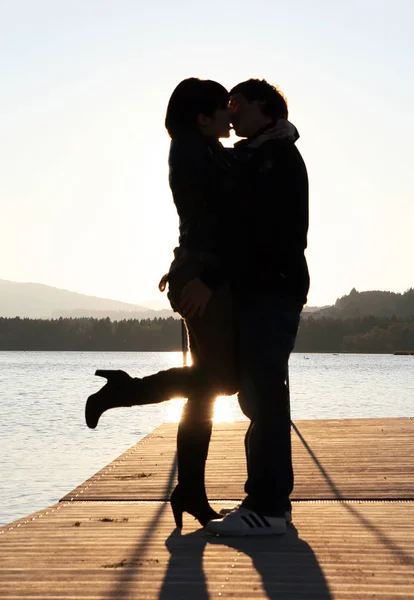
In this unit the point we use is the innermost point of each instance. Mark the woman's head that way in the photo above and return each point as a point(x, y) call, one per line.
point(198, 105)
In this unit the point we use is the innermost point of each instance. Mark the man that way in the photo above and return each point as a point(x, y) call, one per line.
point(270, 282)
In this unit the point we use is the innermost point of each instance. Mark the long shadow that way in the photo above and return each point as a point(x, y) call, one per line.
point(185, 577)
point(383, 539)
point(121, 588)
point(287, 566)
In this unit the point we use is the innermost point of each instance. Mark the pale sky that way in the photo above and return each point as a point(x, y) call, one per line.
point(85, 203)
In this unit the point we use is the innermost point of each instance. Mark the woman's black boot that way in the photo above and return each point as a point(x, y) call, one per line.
point(193, 439)
point(195, 505)
point(123, 390)
point(114, 393)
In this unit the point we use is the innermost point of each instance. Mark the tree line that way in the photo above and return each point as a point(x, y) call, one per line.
point(361, 335)
point(381, 304)
point(364, 335)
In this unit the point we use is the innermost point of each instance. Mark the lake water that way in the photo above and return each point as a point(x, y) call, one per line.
point(47, 450)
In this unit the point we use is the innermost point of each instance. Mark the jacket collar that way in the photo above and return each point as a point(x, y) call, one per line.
point(246, 141)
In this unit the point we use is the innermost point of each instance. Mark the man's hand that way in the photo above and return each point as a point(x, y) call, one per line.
point(194, 299)
point(283, 130)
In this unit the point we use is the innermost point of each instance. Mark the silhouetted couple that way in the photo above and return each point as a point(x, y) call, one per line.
point(239, 278)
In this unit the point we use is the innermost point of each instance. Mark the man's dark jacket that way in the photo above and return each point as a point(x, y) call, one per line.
point(268, 226)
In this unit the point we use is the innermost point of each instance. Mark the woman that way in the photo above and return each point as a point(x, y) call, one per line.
point(204, 178)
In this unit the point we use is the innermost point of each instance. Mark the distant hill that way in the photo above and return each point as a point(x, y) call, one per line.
point(376, 303)
point(311, 309)
point(38, 301)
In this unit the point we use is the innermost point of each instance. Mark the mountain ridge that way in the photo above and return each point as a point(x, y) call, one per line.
point(41, 301)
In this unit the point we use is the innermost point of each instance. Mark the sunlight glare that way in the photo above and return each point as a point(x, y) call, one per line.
point(174, 408)
point(223, 412)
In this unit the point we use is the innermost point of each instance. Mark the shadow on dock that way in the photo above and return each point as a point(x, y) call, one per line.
point(203, 566)
point(363, 521)
point(122, 587)
point(286, 565)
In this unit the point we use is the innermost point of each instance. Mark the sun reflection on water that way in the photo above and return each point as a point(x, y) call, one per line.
point(223, 409)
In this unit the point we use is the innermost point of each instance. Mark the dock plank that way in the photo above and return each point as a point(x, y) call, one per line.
point(333, 459)
point(95, 550)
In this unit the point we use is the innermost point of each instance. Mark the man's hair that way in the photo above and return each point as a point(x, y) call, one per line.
point(274, 102)
point(190, 98)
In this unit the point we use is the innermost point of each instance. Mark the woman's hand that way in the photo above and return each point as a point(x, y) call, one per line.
point(163, 282)
point(194, 299)
point(282, 130)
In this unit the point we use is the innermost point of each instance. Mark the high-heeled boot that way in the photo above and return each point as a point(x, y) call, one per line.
point(197, 506)
point(193, 438)
point(123, 390)
point(110, 395)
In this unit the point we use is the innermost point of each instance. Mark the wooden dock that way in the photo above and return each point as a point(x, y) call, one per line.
point(114, 537)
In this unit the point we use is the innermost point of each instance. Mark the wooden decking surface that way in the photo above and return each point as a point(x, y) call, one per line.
point(351, 459)
point(114, 536)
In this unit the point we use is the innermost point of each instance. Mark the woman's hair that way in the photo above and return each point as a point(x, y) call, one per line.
point(190, 98)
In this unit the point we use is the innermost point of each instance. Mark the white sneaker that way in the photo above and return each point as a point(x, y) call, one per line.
point(243, 522)
point(228, 509)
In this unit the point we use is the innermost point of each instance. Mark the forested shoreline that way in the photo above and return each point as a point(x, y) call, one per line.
point(361, 335)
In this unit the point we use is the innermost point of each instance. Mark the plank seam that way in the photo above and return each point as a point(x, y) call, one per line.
point(230, 500)
point(294, 502)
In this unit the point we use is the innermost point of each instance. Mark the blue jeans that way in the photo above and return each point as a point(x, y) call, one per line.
point(267, 332)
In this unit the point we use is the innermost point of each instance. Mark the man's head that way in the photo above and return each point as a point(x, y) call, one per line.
point(198, 105)
point(255, 103)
